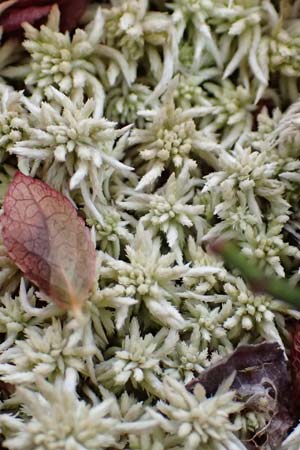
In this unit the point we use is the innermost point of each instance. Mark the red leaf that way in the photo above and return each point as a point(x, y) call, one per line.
point(36, 12)
point(12, 20)
point(71, 13)
point(48, 241)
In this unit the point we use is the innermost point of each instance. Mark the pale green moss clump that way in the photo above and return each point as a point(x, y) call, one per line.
point(167, 124)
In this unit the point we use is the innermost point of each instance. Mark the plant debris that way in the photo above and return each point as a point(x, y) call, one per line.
point(263, 383)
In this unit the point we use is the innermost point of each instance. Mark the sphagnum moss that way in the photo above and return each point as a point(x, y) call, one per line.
point(167, 124)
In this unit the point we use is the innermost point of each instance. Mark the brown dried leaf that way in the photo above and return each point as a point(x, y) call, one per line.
point(261, 378)
point(48, 241)
point(294, 328)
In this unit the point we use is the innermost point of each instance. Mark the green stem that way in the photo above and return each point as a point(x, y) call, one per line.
point(277, 287)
